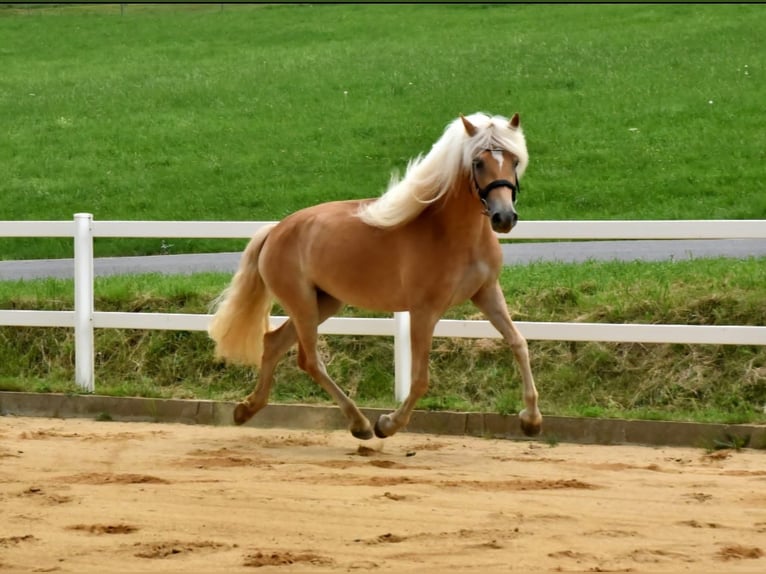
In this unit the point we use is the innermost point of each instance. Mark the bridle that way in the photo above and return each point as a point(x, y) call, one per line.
point(483, 192)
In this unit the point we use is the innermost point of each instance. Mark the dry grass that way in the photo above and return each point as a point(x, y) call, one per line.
point(709, 382)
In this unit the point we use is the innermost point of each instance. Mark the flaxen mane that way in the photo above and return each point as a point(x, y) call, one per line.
point(428, 178)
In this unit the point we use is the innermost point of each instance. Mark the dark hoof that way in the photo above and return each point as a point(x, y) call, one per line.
point(378, 432)
point(531, 429)
point(365, 434)
point(242, 413)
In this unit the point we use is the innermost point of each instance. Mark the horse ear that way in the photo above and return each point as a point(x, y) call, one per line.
point(469, 127)
point(515, 122)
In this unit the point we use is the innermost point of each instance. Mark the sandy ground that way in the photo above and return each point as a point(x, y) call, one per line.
point(85, 496)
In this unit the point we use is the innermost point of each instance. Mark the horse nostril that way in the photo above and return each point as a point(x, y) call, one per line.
point(503, 221)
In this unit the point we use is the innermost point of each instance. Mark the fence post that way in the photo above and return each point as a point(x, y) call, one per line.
point(83, 301)
point(402, 356)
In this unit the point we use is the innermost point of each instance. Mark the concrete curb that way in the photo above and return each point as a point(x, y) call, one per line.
point(313, 417)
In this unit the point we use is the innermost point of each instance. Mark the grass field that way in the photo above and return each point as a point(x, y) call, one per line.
point(254, 111)
point(631, 111)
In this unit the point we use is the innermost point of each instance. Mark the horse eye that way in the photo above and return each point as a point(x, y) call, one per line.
point(478, 163)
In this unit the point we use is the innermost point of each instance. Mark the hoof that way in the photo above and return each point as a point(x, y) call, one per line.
point(378, 431)
point(242, 413)
point(531, 429)
point(364, 434)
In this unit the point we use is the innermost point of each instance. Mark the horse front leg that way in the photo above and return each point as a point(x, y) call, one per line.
point(421, 332)
point(491, 302)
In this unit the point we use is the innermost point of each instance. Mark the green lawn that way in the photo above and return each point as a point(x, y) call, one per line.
point(256, 111)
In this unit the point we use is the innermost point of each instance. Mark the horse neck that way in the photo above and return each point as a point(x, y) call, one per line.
point(459, 213)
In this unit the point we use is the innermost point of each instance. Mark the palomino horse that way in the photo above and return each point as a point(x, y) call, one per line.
point(423, 246)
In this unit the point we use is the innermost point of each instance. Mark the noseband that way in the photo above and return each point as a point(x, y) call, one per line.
point(483, 192)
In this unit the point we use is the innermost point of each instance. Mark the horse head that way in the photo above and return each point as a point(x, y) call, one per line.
point(495, 174)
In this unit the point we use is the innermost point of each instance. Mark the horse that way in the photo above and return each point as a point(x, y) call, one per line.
point(427, 243)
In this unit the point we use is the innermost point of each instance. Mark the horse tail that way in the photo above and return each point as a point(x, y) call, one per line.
point(241, 317)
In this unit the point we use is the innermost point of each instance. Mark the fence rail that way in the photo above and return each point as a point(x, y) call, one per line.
point(84, 318)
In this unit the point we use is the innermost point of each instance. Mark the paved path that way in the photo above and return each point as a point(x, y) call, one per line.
point(513, 254)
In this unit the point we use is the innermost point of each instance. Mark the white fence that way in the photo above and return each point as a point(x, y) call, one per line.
point(84, 318)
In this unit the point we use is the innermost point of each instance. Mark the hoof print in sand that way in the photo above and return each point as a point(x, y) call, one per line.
point(260, 559)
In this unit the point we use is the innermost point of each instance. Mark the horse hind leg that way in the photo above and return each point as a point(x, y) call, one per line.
point(278, 342)
point(310, 361)
point(359, 426)
point(275, 344)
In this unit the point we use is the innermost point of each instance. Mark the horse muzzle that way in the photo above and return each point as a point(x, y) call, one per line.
point(500, 210)
point(503, 221)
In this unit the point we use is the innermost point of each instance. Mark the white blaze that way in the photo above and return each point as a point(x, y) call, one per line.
point(498, 155)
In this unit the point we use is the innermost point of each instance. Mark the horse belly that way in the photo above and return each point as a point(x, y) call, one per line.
point(361, 274)
point(394, 280)
point(329, 248)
